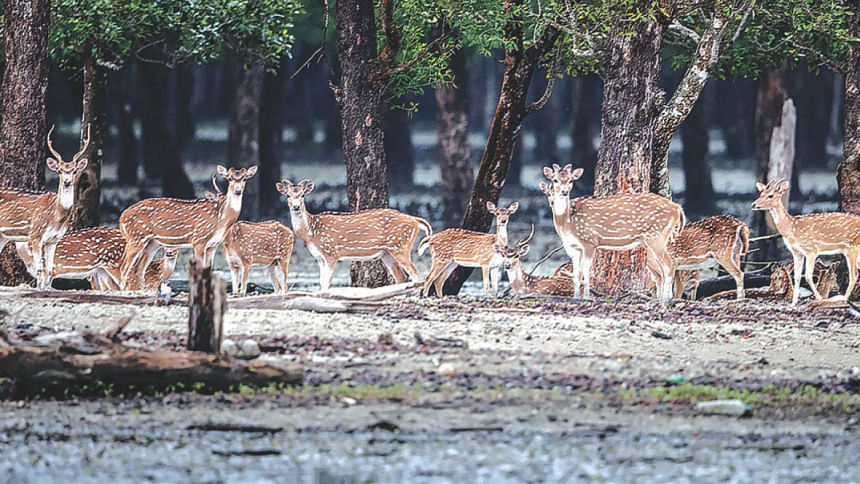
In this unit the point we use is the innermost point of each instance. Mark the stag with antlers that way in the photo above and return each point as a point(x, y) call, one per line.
point(525, 284)
point(168, 222)
point(39, 220)
point(382, 233)
point(617, 222)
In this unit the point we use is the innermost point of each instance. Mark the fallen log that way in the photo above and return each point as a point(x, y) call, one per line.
point(710, 287)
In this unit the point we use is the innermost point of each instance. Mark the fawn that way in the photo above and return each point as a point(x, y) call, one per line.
point(265, 243)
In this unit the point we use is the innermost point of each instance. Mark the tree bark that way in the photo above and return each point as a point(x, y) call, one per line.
point(699, 189)
point(361, 98)
point(161, 157)
point(453, 132)
point(128, 160)
point(399, 153)
point(631, 102)
point(768, 115)
point(271, 141)
point(586, 102)
point(86, 211)
point(23, 113)
point(520, 64)
point(207, 302)
point(515, 169)
point(848, 174)
point(243, 138)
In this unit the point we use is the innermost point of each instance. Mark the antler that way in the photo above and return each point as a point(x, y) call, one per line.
point(84, 148)
point(51, 145)
point(215, 183)
point(527, 239)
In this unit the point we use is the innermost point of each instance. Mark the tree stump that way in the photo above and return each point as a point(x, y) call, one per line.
point(207, 302)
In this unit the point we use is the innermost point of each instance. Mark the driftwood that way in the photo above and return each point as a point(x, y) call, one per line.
point(207, 301)
point(336, 300)
point(53, 363)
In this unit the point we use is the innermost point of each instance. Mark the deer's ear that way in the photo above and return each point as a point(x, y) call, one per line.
point(251, 172)
point(210, 196)
point(309, 186)
point(513, 207)
point(282, 186)
point(491, 207)
point(544, 188)
point(524, 250)
point(222, 171)
point(760, 186)
point(577, 173)
point(782, 186)
point(52, 164)
point(82, 163)
point(547, 172)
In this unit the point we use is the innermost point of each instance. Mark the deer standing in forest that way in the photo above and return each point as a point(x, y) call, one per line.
point(265, 243)
point(452, 247)
point(616, 222)
point(525, 284)
point(719, 239)
point(171, 223)
point(40, 220)
point(808, 236)
point(330, 237)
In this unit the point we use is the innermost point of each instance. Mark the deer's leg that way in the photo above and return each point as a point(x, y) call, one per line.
point(586, 257)
point(667, 268)
point(446, 273)
point(485, 273)
point(235, 265)
point(733, 267)
point(405, 261)
point(495, 276)
point(680, 281)
point(393, 268)
point(246, 271)
point(798, 270)
point(50, 250)
point(326, 273)
point(851, 259)
point(575, 270)
point(284, 265)
point(272, 270)
point(809, 269)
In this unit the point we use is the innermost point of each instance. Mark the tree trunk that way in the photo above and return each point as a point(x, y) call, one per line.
point(161, 158)
point(24, 125)
point(243, 139)
point(515, 169)
point(454, 150)
point(768, 115)
point(545, 124)
point(361, 97)
point(399, 153)
point(128, 161)
point(586, 102)
point(631, 97)
point(699, 189)
point(207, 302)
point(271, 141)
point(88, 194)
point(848, 174)
point(520, 64)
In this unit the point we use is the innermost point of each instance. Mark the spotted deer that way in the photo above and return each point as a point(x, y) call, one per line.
point(617, 222)
point(719, 239)
point(330, 237)
point(40, 220)
point(458, 247)
point(171, 223)
point(525, 284)
point(258, 244)
point(808, 236)
point(156, 273)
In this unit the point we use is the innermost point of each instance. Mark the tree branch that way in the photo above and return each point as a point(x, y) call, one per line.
point(393, 36)
point(550, 85)
point(418, 57)
point(677, 26)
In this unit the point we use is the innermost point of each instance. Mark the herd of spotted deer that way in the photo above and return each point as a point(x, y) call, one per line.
point(121, 259)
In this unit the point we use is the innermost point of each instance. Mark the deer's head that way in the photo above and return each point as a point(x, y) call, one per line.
point(68, 171)
point(770, 195)
point(295, 193)
point(236, 179)
point(512, 255)
point(562, 180)
point(502, 214)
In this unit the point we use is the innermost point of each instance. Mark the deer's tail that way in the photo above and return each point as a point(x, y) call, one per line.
point(743, 235)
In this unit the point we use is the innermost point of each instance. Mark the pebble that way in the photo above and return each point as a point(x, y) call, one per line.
point(445, 369)
point(250, 349)
point(229, 348)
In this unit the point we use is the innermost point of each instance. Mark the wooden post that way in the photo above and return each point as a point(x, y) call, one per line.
point(207, 301)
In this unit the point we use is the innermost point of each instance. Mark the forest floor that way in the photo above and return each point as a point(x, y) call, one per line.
point(495, 390)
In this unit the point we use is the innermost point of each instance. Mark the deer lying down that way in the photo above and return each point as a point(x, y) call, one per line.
point(452, 247)
point(258, 244)
point(330, 237)
point(526, 284)
point(781, 289)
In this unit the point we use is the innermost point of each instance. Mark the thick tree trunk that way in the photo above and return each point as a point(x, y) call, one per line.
point(24, 125)
point(768, 115)
point(271, 141)
point(631, 99)
point(848, 175)
point(361, 97)
point(586, 102)
point(161, 158)
point(399, 153)
point(699, 189)
point(454, 151)
point(243, 138)
point(88, 195)
point(128, 161)
point(520, 64)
